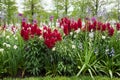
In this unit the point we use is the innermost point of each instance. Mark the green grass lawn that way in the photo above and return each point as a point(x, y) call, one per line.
point(63, 78)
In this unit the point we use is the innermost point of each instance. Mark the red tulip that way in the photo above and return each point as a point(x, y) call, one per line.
point(38, 32)
point(79, 23)
point(110, 31)
point(118, 26)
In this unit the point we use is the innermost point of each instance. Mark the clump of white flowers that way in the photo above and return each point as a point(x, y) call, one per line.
point(7, 45)
point(75, 36)
point(16, 38)
point(15, 46)
point(73, 47)
point(1, 49)
point(7, 37)
point(103, 37)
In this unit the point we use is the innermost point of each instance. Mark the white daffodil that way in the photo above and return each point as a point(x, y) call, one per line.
point(1, 49)
point(71, 33)
point(16, 38)
point(8, 45)
point(107, 50)
point(91, 34)
point(73, 46)
point(53, 49)
point(103, 37)
point(7, 30)
point(4, 44)
point(7, 37)
point(15, 47)
point(75, 36)
point(118, 31)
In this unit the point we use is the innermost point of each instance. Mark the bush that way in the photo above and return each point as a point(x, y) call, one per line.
point(35, 56)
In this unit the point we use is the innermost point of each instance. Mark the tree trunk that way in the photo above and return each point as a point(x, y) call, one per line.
point(57, 9)
point(66, 7)
point(96, 7)
point(32, 10)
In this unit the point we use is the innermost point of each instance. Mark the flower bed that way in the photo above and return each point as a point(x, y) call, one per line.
point(69, 49)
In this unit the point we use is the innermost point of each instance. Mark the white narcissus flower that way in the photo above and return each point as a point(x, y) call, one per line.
point(91, 34)
point(7, 37)
point(8, 45)
point(107, 50)
point(1, 49)
point(15, 47)
point(4, 44)
point(16, 38)
point(103, 37)
point(118, 31)
point(53, 49)
point(73, 46)
point(7, 29)
point(71, 33)
point(74, 36)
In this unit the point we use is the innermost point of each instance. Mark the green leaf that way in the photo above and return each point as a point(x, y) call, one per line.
point(111, 74)
point(91, 74)
point(83, 67)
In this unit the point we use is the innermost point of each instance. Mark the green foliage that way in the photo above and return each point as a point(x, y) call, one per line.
point(12, 56)
point(34, 10)
point(9, 9)
point(35, 56)
point(64, 78)
point(80, 7)
point(109, 64)
point(62, 7)
point(41, 60)
point(66, 61)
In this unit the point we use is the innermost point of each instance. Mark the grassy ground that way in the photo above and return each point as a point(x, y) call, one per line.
point(63, 78)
